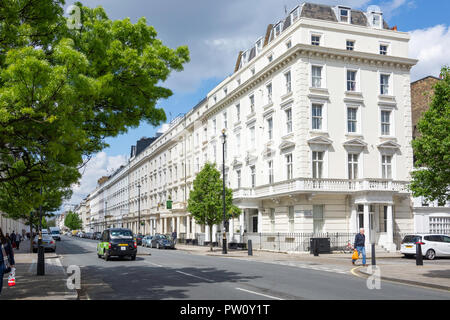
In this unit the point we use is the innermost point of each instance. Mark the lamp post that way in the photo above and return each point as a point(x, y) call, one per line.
point(106, 208)
point(139, 208)
point(224, 240)
point(40, 264)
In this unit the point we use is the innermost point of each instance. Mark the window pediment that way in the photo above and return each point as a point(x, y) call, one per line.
point(388, 145)
point(286, 145)
point(268, 152)
point(355, 143)
point(320, 140)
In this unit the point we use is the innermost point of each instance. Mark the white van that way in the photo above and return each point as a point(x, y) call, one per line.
point(432, 245)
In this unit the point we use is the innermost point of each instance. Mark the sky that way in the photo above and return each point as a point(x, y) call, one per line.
point(215, 31)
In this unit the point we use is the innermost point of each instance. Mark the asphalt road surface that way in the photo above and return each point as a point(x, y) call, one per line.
point(171, 274)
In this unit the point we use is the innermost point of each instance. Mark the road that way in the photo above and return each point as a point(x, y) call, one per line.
point(175, 274)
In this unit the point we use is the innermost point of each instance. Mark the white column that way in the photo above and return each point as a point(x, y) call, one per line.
point(214, 233)
point(231, 229)
point(260, 219)
point(178, 225)
point(241, 222)
point(367, 225)
point(353, 221)
point(207, 233)
point(390, 227)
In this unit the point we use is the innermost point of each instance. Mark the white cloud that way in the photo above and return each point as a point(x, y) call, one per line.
point(431, 47)
point(100, 165)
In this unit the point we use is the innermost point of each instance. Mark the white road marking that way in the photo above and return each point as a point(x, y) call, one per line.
point(261, 294)
point(158, 265)
point(191, 275)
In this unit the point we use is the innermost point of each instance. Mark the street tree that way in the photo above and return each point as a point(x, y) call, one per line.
point(73, 221)
point(205, 201)
point(63, 91)
point(431, 176)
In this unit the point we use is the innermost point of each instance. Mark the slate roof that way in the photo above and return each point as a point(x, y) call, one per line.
point(312, 11)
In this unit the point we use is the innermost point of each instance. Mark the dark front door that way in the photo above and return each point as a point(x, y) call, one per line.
point(255, 224)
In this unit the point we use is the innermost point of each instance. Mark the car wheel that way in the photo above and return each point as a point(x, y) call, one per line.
point(430, 255)
point(409, 256)
point(133, 257)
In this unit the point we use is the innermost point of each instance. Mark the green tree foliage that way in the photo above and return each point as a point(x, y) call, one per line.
point(431, 178)
point(73, 221)
point(63, 91)
point(205, 201)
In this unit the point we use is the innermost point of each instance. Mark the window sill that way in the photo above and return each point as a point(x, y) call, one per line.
point(237, 123)
point(251, 115)
point(354, 93)
point(286, 95)
point(268, 105)
point(318, 133)
point(288, 136)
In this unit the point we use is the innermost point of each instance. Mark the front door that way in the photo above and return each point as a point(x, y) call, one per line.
point(255, 224)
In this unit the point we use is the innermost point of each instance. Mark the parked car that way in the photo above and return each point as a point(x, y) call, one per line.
point(97, 235)
point(432, 245)
point(117, 242)
point(147, 241)
point(88, 235)
point(162, 241)
point(47, 242)
point(138, 238)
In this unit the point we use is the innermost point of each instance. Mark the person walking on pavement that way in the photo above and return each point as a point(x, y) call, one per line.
point(18, 240)
point(174, 236)
point(359, 245)
point(6, 252)
point(13, 239)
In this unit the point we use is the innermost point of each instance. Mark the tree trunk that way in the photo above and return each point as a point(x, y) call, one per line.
point(210, 238)
point(31, 233)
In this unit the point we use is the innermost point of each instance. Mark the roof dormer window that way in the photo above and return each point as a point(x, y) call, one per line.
point(344, 15)
point(258, 45)
point(278, 28)
point(376, 20)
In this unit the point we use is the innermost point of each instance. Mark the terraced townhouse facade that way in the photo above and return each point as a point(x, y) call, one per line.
point(317, 118)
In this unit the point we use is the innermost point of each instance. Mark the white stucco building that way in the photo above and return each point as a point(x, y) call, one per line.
point(317, 116)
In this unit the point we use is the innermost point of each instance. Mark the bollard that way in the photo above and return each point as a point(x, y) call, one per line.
point(419, 257)
point(250, 248)
point(373, 254)
point(41, 262)
point(316, 247)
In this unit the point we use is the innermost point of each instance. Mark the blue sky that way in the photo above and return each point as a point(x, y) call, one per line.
point(215, 31)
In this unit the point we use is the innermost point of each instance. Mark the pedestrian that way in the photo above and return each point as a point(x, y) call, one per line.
point(359, 245)
point(18, 240)
point(13, 239)
point(6, 257)
point(174, 236)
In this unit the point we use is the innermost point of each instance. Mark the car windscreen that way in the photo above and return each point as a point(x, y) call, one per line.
point(412, 239)
point(121, 234)
point(55, 232)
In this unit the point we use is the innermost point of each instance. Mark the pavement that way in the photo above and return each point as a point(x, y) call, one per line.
point(29, 286)
point(393, 266)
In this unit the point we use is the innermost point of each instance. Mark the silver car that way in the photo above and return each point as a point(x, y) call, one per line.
point(47, 242)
